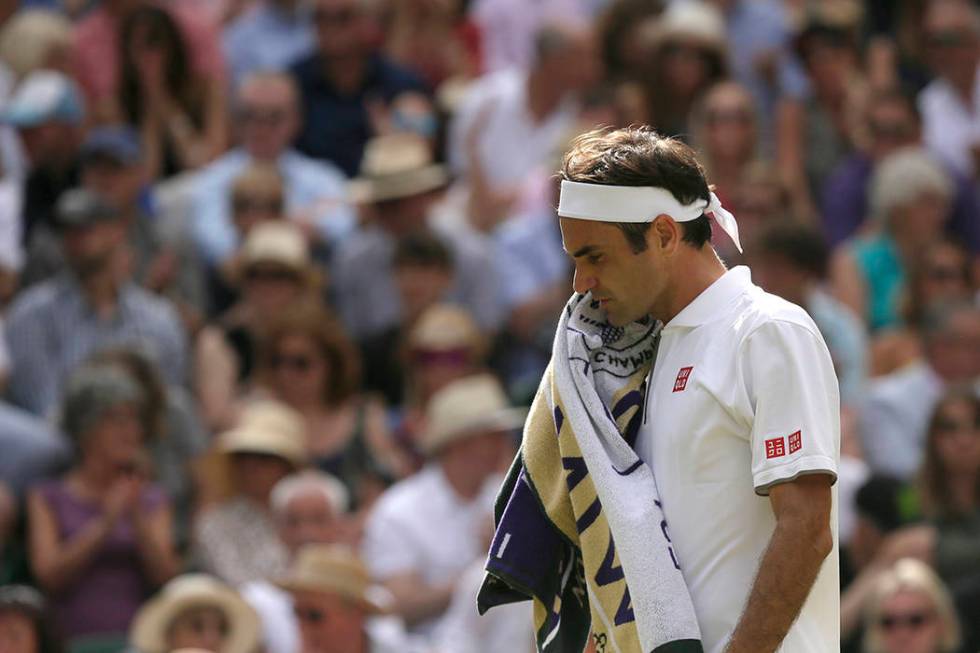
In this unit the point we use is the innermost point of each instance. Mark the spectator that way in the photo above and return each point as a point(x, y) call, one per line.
point(32, 449)
point(910, 199)
point(951, 102)
point(196, 611)
point(792, 263)
point(911, 610)
point(622, 28)
point(423, 270)
point(179, 113)
point(309, 508)
point(46, 109)
point(307, 362)
point(940, 276)
point(237, 539)
point(890, 122)
point(688, 55)
point(101, 537)
point(58, 323)
point(398, 187)
point(97, 52)
point(512, 122)
point(334, 603)
point(273, 273)
point(341, 79)
point(466, 436)
point(267, 109)
point(725, 130)
point(25, 623)
point(271, 36)
point(895, 415)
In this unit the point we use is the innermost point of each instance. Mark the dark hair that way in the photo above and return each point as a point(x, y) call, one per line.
point(615, 23)
point(423, 249)
point(27, 601)
point(639, 156)
point(341, 356)
point(798, 243)
point(180, 78)
point(936, 493)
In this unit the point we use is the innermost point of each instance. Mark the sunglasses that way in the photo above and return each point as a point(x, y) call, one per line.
point(729, 116)
point(263, 116)
point(911, 620)
point(245, 204)
point(454, 357)
point(310, 615)
point(947, 39)
point(893, 132)
point(270, 274)
point(298, 363)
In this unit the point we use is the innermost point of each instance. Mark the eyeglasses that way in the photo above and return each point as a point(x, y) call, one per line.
point(310, 615)
point(270, 117)
point(893, 132)
point(256, 204)
point(741, 117)
point(298, 363)
point(454, 357)
point(911, 620)
point(257, 273)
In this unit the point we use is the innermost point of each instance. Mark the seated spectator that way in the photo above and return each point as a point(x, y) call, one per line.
point(179, 114)
point(309, 508)
point(32, 450)
point(895, 415)
point(47, 111)
point(466, 438)
point(272, 35)
point(517, 120)
point(940, 276)
point(910, 199)
point(101, 537)
point(336, 605)
point(891, 121)
point(96, 52)
point(340, 79)
point(423, 270)
point(236, 538)
point(273, 272)
point(398, 187)
point(314, 192)
point(950, 103)
point(307, 362)
point(25, 623)
point(56, 324)
point(196, 611)
point(911, 610)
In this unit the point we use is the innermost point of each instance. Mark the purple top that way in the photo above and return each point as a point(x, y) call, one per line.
point(108, 593)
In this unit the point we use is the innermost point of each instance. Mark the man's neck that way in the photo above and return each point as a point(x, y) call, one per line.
point(463, 484)
point(543, 96)
point(101, 290)
point(692, 276)
point(347, 74)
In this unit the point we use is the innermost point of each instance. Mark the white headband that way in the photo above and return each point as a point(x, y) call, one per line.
point(638, 204)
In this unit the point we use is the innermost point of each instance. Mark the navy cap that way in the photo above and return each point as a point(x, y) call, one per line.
point(119, 143)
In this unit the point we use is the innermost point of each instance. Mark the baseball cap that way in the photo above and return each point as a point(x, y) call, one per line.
point(43, 96)
point(80, 207)
point(119, 143)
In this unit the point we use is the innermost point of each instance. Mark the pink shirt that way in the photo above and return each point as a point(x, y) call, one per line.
point(97, 49)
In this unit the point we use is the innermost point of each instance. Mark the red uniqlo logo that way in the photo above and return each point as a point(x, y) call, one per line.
point(776, 447)
point(681, 381)
point(795, 442)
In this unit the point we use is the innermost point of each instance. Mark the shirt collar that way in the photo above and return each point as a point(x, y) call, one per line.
point(714, 299)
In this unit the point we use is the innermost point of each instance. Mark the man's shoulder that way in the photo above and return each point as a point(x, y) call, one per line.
point(306, 69)
point(37, 300)
point(772, 312)
point(150, 306)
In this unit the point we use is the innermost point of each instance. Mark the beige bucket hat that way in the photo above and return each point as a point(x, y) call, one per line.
point(149, 630)
point(268, 427)
point(396, 166)
point(465, 408)
point(335, 569)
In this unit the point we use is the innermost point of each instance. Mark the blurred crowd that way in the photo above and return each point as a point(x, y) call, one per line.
point(277, 275)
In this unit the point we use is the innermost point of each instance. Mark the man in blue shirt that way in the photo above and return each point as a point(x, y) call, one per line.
point(272, 35)
point(341, 80)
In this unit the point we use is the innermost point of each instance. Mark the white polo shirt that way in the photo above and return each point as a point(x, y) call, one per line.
point(743, 396)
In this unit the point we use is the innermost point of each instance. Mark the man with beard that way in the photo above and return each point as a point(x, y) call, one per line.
point(90, 307)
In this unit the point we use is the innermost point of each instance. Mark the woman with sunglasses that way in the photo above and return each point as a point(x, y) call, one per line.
point(911, 612)
point(307, 361)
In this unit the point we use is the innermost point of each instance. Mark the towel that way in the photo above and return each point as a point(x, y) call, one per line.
point(579, 529)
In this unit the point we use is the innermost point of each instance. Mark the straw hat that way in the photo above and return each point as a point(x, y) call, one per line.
point(268, 427)
point(396, 166)
point(693, 20)
point(149, 631)
point(468, 407)
point(445, 327)
point(334, 569)
point(279, 242)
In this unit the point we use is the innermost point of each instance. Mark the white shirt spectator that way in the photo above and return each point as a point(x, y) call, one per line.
point(951, 128)
point(280, 631)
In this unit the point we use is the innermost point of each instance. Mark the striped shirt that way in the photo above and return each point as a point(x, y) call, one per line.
point(51, 328)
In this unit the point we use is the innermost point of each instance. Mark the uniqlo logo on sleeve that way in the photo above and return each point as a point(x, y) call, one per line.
point(795, 442)
point(681, 381)
point(776, 447)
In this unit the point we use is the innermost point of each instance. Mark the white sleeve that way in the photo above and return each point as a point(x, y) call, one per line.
point(791, 384)
point(387, 548)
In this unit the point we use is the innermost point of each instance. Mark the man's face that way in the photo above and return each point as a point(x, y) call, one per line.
point(90, 248)
point(328, 623)
point(307, 519)
point(342, 28)
point(46, 143)
point(118, 183)
point(891, 126)
point(955, 353)
point(952, 43)
point(627, 284)
point(269, 117)
point(421, 286)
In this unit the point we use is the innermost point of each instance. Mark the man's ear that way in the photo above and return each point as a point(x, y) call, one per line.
point(665, 234)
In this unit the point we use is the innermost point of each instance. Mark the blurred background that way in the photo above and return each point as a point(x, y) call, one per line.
point(275, 276)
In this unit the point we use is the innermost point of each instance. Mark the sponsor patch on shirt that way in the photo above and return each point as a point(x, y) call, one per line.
point(681, 381)
point(776, 447)
point(795, 442)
